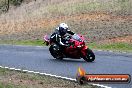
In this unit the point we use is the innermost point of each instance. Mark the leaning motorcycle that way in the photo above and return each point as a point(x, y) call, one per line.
point(77, 48)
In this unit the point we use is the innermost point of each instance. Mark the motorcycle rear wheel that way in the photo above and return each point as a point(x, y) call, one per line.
point(90, 57)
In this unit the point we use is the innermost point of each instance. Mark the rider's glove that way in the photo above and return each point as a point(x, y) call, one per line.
point(75, 34)
point(67, 45)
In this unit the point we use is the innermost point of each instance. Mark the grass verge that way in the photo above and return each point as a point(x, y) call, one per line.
point(18, 79)
point(127, 47)
point(23, 42)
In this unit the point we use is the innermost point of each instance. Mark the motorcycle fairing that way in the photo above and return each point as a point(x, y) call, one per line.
point(84, 50)
point(72, 52)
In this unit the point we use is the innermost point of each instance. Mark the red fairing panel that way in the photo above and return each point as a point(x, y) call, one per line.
point(84, 50)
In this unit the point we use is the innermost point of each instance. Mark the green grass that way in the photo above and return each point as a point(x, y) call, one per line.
point(118, 6)
point(9, 85)
point(3, 72)
point(6, 86)
point(113, 46)
point(30, 42)
point(23, 42)
point(29, 80)
point(71, 7)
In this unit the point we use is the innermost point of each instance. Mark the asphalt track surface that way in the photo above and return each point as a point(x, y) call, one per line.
point(39, 59)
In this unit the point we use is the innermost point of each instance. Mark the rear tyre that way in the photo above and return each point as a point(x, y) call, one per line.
point(89, 56)
point(55, 52)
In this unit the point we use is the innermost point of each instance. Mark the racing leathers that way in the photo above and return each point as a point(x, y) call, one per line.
point(57, 37)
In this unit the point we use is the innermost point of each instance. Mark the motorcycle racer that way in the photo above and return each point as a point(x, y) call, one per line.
point(57, 36)
point(65, 46)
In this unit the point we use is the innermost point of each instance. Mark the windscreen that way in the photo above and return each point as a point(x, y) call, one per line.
point(76, 37)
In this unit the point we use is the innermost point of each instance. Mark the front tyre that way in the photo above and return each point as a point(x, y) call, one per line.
point(55, 52)
point(89, 56)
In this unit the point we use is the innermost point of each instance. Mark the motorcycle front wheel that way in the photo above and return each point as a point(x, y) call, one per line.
point(55, 53)
point(90, 57)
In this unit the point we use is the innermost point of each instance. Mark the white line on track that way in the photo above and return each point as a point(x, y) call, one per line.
point(71, 79)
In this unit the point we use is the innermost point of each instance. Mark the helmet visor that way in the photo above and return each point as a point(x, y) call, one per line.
point(63, 31)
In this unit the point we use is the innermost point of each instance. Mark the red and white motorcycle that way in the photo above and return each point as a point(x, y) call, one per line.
point(76, 50)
